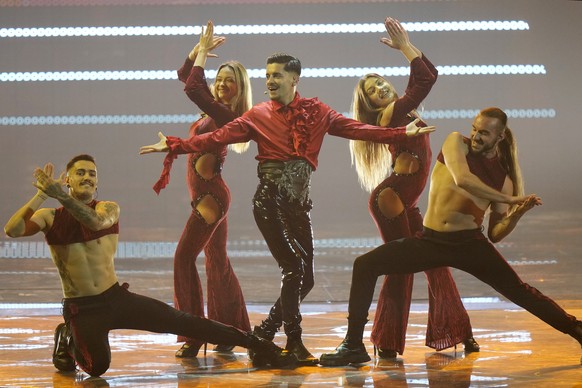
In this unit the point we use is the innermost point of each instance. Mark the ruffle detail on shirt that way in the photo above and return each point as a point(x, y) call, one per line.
point(301, 116)
point(165, 176)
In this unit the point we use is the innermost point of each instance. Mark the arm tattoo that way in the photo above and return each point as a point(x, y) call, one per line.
point(82, 213)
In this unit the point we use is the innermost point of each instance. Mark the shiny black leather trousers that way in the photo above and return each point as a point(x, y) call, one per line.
point(286, 226)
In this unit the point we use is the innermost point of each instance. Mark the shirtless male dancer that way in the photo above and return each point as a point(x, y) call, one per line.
point(82, 236)
point(470, 176)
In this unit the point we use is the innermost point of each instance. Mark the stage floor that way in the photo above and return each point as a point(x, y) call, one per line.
point(517, 350)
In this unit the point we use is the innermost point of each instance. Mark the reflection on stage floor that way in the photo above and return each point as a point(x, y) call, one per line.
point(517, 350)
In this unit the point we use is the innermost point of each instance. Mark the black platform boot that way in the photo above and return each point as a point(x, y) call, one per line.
point(577, 334)
point(295, 345)
point(265, 331)
point(270, 325)
point(264, 353)
point(351, 350)
point(62, 360)
point(348, 352)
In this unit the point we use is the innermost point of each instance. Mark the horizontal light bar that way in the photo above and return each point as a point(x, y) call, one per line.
point(544, 113)
point(22, 306)
point(260, 29)
point(471, 113)
point(237, 248)
point(329, 72)
point(97, 119)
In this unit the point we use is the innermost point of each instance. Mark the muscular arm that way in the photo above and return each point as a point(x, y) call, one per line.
point(454, 152)
point(103, 216)
point(28, 220)
point(502, 223)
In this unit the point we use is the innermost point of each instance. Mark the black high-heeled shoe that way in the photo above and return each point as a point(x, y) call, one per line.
point(385, 354)
point(471, 346)
point(190, 350)
point(223, 348)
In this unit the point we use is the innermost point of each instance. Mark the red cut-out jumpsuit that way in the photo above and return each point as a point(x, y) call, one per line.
point(225, 299)
point(448, 321)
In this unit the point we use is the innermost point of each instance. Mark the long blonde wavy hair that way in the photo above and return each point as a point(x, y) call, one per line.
point(243, 101)
point(507, 151)
point(372, 160)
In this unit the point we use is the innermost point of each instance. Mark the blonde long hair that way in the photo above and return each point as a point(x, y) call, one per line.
point(243, 101)
point(507, 149)
point(373, 161)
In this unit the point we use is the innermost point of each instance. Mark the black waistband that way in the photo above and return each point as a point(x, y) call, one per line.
point(458, 236)
point(97, 298)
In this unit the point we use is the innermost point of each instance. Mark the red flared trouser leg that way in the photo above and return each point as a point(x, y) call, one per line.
point(448, 321)
point(225, 300)
point(188, 295)
point(391, 317)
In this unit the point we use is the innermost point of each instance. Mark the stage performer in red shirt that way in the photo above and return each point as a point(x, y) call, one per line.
point(289, 132)
point(393, 202)
point(228, 98)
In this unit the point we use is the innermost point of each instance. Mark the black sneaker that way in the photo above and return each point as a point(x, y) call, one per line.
point(62, 360)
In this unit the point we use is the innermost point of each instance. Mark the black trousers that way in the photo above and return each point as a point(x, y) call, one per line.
point(286, 227)
point(469, 251)
point(91, 318)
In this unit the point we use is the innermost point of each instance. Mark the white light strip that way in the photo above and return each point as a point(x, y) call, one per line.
point(97, 119)
point(238, 248)
point(329, 72)
point(544, 113)
point(260, 29)
point(471, 113)
point(29, 306)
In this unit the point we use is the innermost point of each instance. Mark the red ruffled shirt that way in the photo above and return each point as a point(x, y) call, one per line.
point(294, 131)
